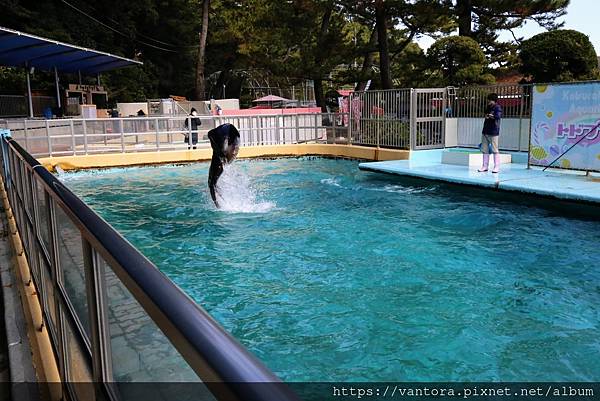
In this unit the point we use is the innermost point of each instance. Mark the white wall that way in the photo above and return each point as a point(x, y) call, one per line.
point(451, 133)
point(131, 109)
point(469, 133)
point(225, 104)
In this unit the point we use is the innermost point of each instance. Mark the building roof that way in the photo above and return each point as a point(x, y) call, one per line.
point(271, 98)
point(18, 49)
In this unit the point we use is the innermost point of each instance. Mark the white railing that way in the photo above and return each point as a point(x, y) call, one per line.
point(60, 137)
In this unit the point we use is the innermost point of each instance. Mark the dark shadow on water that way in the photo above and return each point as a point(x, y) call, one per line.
point(469, 193)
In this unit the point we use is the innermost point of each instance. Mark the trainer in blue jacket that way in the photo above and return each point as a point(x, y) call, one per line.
point(490, 133)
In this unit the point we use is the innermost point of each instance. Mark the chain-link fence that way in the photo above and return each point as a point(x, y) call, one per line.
point(17, 106)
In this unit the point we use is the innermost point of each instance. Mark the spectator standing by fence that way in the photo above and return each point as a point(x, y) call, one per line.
point(192, 122)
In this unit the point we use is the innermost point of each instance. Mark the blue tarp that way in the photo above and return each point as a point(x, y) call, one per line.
point(18, 49)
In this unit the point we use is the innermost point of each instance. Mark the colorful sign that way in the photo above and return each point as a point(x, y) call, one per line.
point(563, 115)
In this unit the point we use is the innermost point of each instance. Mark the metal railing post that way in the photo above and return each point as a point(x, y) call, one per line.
point(99, 325)
point(378, 122)
point(444, 113)
point(412, 119)
point(350, 118)
point(297, 128)
point(85, 139)
point(53, 245)
point(48, 137)
point(278, 140)
point(157, 134)
point(90, 288)
point(5, 162)
point(122, 135)
point(104, 131)
point(73, 144)
point(189, 121)
point(26, 134)
point(521, 116)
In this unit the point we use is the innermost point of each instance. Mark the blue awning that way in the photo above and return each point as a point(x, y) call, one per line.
point(18, 49)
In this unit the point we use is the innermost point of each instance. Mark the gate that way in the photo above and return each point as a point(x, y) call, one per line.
point(428, 118)
point(380, 117)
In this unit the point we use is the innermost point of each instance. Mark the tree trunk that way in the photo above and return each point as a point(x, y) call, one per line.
point(319, 96)
point(200, 82)
point(318, 78)
point(464, 9)
point(362, 83)
point(382, 40)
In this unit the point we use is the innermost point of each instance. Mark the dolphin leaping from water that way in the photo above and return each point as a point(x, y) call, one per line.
point(225, 143)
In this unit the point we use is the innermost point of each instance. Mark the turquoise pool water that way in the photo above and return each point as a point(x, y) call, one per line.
point(327, 273)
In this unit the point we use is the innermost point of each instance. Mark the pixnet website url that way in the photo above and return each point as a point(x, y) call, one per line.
point(396, 391)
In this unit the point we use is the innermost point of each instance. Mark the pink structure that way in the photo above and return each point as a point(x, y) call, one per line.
point(255, 112)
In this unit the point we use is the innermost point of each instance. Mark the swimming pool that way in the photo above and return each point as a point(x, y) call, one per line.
point(327, 273)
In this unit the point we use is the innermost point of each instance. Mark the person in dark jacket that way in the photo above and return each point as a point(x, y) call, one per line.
point(225, 143)
point(490, 133)
point(195, 123)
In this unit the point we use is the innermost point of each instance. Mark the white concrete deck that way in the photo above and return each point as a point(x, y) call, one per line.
point(569, 185)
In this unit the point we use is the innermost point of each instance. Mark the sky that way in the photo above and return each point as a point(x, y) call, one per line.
point(582, 16)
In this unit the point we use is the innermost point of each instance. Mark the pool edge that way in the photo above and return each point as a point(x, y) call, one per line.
point(79, 162)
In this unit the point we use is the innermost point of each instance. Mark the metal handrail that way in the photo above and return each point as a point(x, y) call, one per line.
point(222, 363)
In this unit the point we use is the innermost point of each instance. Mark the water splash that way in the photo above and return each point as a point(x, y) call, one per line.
point(331, 181)
point(392, 188)
point(236, 194)
point(401, 189)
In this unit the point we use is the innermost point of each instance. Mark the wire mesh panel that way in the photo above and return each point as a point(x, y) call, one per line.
point(429, 118)
point(381, 118)
point(13, 106)
point(468, 105)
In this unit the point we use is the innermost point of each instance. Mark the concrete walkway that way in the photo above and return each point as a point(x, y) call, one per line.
point(568, 185)
point(17, 374)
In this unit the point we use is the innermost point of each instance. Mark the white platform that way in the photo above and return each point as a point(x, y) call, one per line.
point(471, 158)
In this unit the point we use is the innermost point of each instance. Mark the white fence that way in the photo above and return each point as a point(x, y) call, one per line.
point(399, 118)
point(61, 137)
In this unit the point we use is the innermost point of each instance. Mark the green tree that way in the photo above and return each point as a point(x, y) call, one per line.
point(161, 34)
point(457, 61)
point(12, 81)
point(300, 39)
point(483, 20)
point(397, 23)
point(409, 67)
point(561, 55)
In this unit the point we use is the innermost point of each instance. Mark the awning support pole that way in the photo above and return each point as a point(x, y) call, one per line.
point(79, 72)
point(98, 79)
point(57, 87)
point(29, 91)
